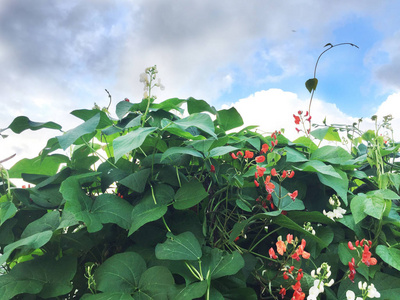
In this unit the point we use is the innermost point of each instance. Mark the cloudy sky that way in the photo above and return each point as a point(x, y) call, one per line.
point(57, 56)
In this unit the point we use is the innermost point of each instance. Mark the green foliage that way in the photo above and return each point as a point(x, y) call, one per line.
point(153, 205)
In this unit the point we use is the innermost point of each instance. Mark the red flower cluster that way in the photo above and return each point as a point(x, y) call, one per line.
point(299, 118)
point(247, 154)
point(366, 256)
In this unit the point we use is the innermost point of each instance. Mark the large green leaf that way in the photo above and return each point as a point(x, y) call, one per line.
point(340, 185)
point(189, 194)
point(151, 208)
point(181, 150)
point(389, 255)
point(198, 106)
point(47, 166)
point(319, 167)
point(199, 120)
point(32, 242)
point(293, 155)
point(331, 154)
point(222, 150)
point(184, 246)
point(136, 181)
point(229, 119)
point(218, 263)
point(50, 221)
point(107, 296)
point(44, 276)
point(192, 291)
point(86, 114)
point(130, 141)
point(68, 138)
point(326, 133)
point(156, 283)
point(19, 124)
point(120, 273)
point(357, 206)
point(7, 211)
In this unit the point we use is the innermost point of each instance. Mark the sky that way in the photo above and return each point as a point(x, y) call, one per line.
point(58, 56)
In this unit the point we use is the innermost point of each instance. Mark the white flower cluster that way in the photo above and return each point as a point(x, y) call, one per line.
point(337, 212)
point(307, 226)
point(148, 78)
point(366, 290)
point(321, 280)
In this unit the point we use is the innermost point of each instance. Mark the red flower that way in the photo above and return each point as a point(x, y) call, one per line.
point(298, 295)
point(289, 238)
point(126, 99)
point(284, 173)
point(296, 119)
point(239, 153)
point(260, 159)
point(299, 275)
point(309, 119)
point(306, 113)
point(350, 245)
point(260, 171)
point(272, 254)
point(366, 257)
point(236, 239)
point(264, 148)
point(233, 156)
point(273, 172)
point(300, 112)
point(282, 292)
point(298, 130)
point(352, 268)
point(248, 154)
point(293, 195)
point(285, 276)
point(256, 183)
point(212, 169)
point(291, 174)
point(281, 247)
point(269, 186)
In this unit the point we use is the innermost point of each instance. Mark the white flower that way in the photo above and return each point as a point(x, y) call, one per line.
point(143, 78)
point(372, 292)
point(362, 285)
point(351, 296)
point(331, 201)
point(313, 274)
point(330, 282)
point(315, 290)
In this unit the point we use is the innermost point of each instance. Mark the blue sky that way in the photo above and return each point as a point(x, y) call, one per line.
point(57, 56)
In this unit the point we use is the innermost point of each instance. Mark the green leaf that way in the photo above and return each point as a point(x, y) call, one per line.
point(192, 291)
point(293, 155)
point(86, 114)
point(7, 211)
point(390, 255)
point(20, 124)
point(339, 185)
point(122, 108)
point(130, 141)
point(156, 283)
point(331, 154)
point(43, 276)
point(319, 167)
point(50, 221)
point(68, 138)
point(110, 208)
point(357, 206)
point(189, 194)
point(169, 104)
point(383, 193)
point(47, 166)
point(326, 133)
point(199, 120)
point(229, 119)
point(120, 273)
point(150, 209)
point(136, 181)
point(184, 246)
point(180, 150)
point(107, 296)
point(311, 84)
point(30, 243)
point(219, 263)
point(197, 106)
point(218, 151)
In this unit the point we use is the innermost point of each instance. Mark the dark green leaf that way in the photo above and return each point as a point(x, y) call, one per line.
point(68, 138)
point(326, 133)
point(189, 194)
point(229, 118)
point(184, 246)
point(192, 291)
point(130, 141)
point(311, 84)
point(181, 150)
point(7, 211)
point(86, 114)
point(197, 106)
point(136, 181)
point(391, 256)
point(120, 273)
point(331, 154)
point(19, 124)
